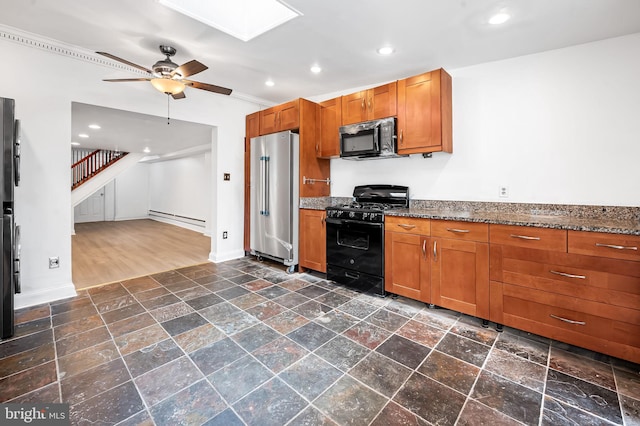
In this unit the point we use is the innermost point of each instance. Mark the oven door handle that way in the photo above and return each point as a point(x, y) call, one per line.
point(334, 221)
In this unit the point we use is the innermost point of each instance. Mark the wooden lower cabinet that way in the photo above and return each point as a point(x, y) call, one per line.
point(313, 240)
point(588, 301)
point(407, 265)
point(460, 276)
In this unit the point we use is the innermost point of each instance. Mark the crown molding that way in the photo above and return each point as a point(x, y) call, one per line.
point(35, 41)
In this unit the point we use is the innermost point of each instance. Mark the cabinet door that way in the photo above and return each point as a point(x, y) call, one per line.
point(268, 122)
point(313, 240)
point(252, 130)
point(288, 116)
point(382, 102)
point(424, 113)
point(354, 108)
point(330, 119)
point(460, 276)
point(407, 265)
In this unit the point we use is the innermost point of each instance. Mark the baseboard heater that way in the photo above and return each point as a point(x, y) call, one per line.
point(179, 218)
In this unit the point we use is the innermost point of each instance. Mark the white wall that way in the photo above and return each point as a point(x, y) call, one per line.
point(557, 127)
point(182, 187)
point(131, 189)
point(44, 84)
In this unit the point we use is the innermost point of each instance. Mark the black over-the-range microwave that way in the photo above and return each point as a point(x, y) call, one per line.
point(369, 139)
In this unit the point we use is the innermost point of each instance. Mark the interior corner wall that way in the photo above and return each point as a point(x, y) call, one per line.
point(555, 127)
point(132, 193)
point(182, 187)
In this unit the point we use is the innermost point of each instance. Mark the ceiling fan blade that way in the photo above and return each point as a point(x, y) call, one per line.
point(180, 95)
point(190, 68)
point(126, 79)
point(124, 61)
point(208, 87)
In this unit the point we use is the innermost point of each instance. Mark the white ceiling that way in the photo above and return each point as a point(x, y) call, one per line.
point(132, 132)
point(340, 35)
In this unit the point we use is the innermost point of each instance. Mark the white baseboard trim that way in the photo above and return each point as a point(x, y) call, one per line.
point(119, 219)
point(26, 299)
point(221, 257)
point(188, 226)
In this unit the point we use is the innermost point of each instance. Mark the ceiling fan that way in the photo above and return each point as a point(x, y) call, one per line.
point(169, 77)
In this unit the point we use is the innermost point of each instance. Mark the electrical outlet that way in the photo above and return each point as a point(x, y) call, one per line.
point(54, 262)
point(503, 191)
point(224, 235)
point(226, 176)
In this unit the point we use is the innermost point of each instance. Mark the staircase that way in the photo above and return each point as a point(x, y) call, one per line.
point(88, 163)
point(96, 172)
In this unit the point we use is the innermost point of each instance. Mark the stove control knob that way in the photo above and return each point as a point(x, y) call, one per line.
point(351, 261)
point(352, 214)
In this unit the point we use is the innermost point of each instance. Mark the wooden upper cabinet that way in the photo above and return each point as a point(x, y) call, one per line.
point(280, 117)
point(424, 113)
point(330, 119)
point(372, 104)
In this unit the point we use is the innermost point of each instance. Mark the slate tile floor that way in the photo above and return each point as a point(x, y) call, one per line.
point(242, 342)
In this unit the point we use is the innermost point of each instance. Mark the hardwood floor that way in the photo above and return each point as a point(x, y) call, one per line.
point(104, 252)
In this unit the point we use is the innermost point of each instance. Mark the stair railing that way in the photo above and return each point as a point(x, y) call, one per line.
point(92, 164)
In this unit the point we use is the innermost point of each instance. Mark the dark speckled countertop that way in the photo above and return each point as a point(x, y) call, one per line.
point(614, 226)
point(610, 219)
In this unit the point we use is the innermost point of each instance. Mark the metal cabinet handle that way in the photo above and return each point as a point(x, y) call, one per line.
point(362, 104)
point(424, 248)
point(369, 103)
point(435, 251)
point(564, 274)
point(567, 320)
point(401, 137)
point(458, 231)
point(405, 226)
point(617, 247)
point(524, 237)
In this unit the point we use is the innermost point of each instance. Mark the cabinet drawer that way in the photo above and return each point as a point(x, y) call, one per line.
point(408, 225)
point(528, 236)
point(610, 281)
point(615, 246)
point(568, 314)
point(460, 230)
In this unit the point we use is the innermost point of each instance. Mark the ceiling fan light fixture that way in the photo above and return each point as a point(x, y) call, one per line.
point(168, 85)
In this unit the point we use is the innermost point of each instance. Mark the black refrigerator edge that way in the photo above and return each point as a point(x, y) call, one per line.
point(9, 232)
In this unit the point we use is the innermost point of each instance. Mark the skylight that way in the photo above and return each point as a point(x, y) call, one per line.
point(243, 19)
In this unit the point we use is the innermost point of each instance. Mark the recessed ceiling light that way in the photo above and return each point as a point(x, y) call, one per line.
point(146, 150)
point(269, 83)
point(499, 18)
point(75, 143)
point(83, 135)
point(94, 126)
point(316, 69)
point(385, 50)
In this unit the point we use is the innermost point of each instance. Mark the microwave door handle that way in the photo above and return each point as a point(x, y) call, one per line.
point(376, 139)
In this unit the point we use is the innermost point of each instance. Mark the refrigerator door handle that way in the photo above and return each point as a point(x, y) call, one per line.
point(261, 189)
point(265, 184)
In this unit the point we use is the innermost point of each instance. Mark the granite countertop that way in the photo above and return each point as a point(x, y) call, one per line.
point(609, 225)
point(609, 219)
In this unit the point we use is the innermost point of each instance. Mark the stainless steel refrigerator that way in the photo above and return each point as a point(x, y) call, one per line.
point(9, 232)
point(274, 197)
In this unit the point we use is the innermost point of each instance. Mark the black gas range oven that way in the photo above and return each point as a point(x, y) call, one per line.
point(355, 237)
